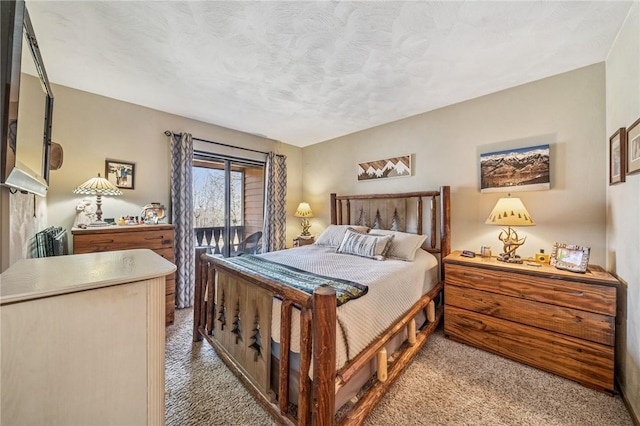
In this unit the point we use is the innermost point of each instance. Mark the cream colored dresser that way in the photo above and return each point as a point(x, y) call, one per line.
point(82, 339)
point(158, 238)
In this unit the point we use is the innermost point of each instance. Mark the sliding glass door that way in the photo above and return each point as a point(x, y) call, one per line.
point(228, 196)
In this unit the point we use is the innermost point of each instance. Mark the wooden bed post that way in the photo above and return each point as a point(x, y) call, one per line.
point(445, 220)
point(197, 302)
point(445, 226)
point(333, 209)
point(324, 355)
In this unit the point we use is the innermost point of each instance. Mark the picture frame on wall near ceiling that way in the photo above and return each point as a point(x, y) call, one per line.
point(120, 173)
point(633, 148)
point(386, 168)
point(517, 169)
point(617, 156)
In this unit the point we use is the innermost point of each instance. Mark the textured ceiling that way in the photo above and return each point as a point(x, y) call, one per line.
point(306, 72)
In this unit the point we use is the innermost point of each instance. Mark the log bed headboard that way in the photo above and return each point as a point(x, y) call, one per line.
point(389, 211)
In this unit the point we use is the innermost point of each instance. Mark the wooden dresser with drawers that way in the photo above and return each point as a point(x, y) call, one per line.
point(158, 238)
point(559, 321)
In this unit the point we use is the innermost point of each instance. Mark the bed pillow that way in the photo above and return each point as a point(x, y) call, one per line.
point(334, 234)
point(365, 245)
point(404, 245)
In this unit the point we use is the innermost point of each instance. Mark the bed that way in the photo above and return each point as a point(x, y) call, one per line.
point(307, 354)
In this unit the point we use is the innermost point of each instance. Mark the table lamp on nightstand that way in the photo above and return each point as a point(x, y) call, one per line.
point(510, 212)
point(304, 211)
point(97, 186)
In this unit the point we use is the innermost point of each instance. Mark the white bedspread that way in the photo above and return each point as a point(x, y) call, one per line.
point(394, 286)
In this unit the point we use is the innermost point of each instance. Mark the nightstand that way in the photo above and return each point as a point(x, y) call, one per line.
point(300, 241)
point(558, 321)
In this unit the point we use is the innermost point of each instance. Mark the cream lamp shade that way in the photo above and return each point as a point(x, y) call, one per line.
point(97, 186)
point(304, 211)
point(510, 212)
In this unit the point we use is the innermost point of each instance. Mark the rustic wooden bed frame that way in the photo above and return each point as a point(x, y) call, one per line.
point(235, 319)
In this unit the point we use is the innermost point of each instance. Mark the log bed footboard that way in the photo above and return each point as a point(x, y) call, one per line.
point(230, 326)
point(232, 311)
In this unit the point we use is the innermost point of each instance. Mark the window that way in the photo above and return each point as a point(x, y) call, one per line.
point(228, 198)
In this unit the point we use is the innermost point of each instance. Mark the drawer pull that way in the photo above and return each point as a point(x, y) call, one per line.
point(156, 237)
point(475, 277)
point(570, 293)
point(103, 241)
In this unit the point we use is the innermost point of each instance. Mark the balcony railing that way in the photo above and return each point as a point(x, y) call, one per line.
point(212, 238)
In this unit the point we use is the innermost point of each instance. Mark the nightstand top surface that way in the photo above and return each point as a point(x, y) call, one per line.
point(595, 274)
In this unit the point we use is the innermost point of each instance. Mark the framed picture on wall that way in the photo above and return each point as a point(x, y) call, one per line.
point(617, 156)
point(633, 148)
point(120, 173)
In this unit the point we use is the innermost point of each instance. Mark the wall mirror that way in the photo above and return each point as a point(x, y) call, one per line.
point(28, 114)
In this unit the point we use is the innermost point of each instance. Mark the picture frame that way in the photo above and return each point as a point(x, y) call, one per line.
point(633, 148)
point(120, 173)
point(516, 169)
point(570, 257)
point(617, 156)
point(386, 168)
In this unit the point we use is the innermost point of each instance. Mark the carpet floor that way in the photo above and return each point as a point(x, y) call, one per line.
point(448, 383)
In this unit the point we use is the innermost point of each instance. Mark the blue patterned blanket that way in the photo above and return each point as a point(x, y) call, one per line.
point(297, 278)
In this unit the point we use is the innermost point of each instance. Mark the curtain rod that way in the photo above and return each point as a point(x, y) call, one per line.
point(169, 133)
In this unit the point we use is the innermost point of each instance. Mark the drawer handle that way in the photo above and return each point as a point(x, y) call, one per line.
point(154, 238)
point(475, 277)
point(570, 293)
point(103, 241)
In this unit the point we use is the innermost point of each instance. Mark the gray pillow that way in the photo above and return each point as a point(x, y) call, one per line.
point(365, 245)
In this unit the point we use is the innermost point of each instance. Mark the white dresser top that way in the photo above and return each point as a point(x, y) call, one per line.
point(49, 276)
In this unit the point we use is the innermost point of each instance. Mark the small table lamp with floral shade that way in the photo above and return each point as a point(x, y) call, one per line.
point(97, 186)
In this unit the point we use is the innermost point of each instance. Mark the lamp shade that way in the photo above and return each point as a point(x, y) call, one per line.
point(97, 185)
point(303, 210)
point(510, 212)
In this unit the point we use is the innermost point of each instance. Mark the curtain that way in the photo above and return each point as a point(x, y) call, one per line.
point(275, 209)
point(182, 216)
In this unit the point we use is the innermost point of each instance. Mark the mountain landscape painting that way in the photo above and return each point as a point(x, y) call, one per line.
point(522, 169)
point(390, 167)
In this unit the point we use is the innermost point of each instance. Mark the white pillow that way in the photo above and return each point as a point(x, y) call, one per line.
point(365, 245)
point(334, 234)
point(404, 245)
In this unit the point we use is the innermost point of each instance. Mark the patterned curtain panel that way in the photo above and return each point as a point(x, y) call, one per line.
point(182, 215)
point(275, 210)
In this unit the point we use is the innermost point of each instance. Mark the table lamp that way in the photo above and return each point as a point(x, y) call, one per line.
point(97, 186)
point(304, 211)
point(510, 212)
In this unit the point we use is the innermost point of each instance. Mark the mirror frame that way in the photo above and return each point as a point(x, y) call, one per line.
point(13, 173)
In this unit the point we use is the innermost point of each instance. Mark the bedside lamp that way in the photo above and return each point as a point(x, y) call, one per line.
point(98, 186)
point(510, 212)
point(304, 211)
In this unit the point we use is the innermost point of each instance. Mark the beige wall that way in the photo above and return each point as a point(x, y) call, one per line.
point(92, 128)
point(566, 111)
point(623, 204)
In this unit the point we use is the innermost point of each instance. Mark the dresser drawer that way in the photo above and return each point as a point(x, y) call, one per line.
point(582, 296)
point(586, 362)
point(123, 241)
point(572, 322)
